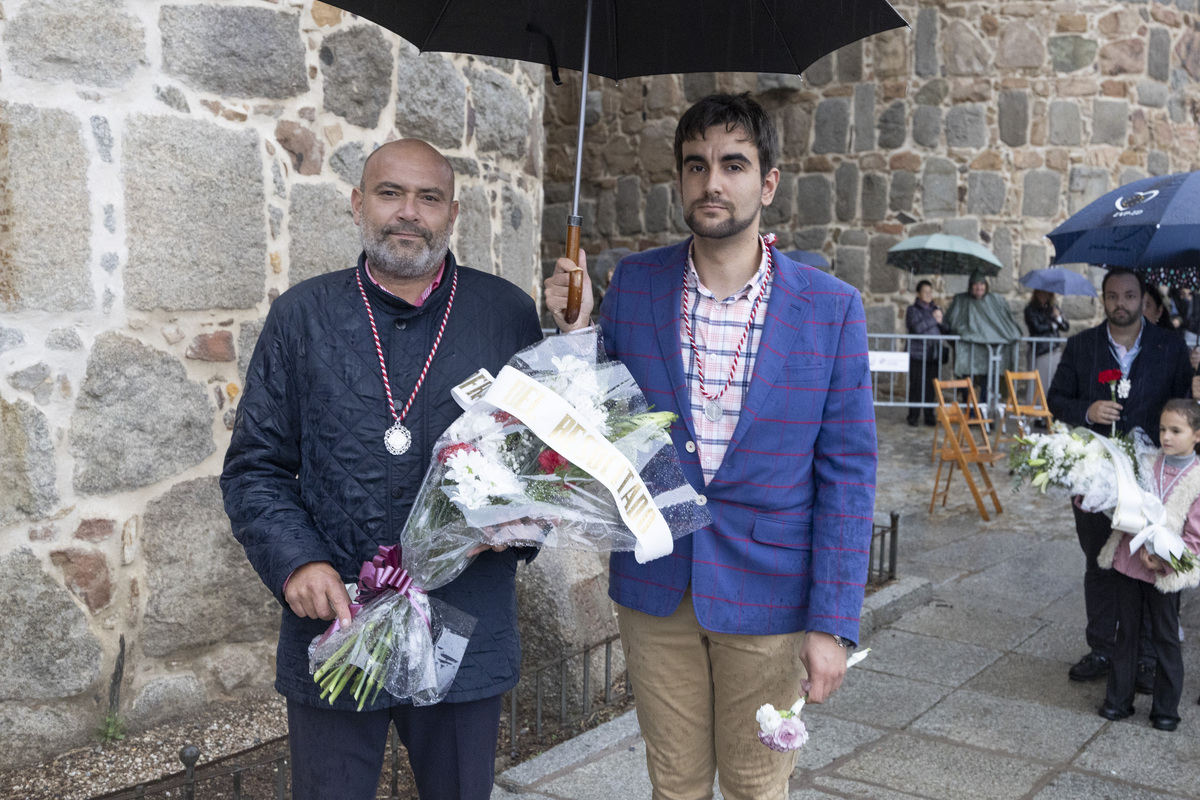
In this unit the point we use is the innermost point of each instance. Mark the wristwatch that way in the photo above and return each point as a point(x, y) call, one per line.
point(843, 643)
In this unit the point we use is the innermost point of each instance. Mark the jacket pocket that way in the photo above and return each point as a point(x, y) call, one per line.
point(777, 533)
point(803, 374)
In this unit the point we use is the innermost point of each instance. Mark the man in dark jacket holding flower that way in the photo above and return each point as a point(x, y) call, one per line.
point(346, 394)
point(1151, 366)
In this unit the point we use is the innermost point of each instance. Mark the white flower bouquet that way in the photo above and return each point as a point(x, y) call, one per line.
point(1078, 462)
point(561, 449)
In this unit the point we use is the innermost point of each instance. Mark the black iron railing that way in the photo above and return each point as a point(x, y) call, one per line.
point(884, 546)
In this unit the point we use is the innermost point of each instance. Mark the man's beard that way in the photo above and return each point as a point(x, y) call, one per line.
point(717, 230)
point(383, 256)
point(1126, 319)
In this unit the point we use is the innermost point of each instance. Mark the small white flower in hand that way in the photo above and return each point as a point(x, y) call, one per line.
point(798, 706)
point(1123, 387)
point(768, 718)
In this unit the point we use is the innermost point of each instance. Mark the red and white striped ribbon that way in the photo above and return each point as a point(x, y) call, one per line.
point(387, 386)
point(767, 241)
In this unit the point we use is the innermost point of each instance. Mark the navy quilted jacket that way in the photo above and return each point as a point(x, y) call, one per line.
point(307, 477)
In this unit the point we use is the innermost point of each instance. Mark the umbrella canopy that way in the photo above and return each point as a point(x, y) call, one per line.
point(1059, 280)
point(633, 37)
point(943, 254)
point(808, 257)
point(1148, 225)
point(626, 38)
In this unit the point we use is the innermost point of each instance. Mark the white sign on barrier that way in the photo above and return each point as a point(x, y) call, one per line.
point(887, 361)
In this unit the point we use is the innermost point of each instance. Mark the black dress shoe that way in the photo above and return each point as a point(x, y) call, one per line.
point(914, 421)
point(1143, 682)
point(1164, 723)
point(930, 422)
point(1090, 667)
point(1108, 712)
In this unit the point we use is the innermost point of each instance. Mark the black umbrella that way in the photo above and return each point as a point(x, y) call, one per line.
point(628, 38)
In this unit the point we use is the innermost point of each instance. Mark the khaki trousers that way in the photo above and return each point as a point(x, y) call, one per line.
point(697, 693)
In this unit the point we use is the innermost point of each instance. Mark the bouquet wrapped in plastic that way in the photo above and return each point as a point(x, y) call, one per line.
point(560, 449)
point(1111, 475)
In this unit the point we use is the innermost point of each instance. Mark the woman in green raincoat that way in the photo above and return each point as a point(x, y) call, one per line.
point(985, 324)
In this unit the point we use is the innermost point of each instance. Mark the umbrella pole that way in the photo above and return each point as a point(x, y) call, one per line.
point(575, 293)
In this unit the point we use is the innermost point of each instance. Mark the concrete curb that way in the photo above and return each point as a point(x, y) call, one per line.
point(892, 602)
point(559, 759)
point(879, 610)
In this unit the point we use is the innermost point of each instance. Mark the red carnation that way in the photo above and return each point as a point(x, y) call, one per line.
point(503, 417)
point(1110, 376)
point(448, 452)
point(551, 462)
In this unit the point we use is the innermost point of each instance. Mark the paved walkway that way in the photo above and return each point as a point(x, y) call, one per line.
point(964, 696)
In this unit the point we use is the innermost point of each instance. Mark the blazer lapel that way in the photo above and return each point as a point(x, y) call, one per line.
point(666, 288)
point(787, 313)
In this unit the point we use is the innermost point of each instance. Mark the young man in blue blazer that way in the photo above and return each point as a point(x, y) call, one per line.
point(764, 360)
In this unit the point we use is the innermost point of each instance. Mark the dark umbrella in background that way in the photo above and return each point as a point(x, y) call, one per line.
point(630, 38)
point(943, 254)
point(1059, 280)
point(1151, 225)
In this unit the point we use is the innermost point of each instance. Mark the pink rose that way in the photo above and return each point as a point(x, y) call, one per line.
point(791, 734)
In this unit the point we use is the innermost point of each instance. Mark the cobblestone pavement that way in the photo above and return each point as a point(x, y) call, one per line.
point(965, 696)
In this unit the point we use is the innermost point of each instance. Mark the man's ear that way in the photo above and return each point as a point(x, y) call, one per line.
point(770, 184)
point(356, 200)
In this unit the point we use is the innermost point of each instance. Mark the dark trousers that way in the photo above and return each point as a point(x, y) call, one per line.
point(920, 387)
point(338, 755)
point(1132, 596)
point(1100, 588)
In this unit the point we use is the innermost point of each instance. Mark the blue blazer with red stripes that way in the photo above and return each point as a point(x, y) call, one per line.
point(792, 501)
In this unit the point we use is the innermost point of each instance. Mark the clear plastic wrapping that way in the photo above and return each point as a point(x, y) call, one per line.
point(493, 482)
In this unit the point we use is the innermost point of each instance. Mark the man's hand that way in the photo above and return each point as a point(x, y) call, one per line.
point(1196, 387)
point(316, 591)
point(937, 316)
point(1104, 412)
point(825, 661)
point(1194, 358)
point(518, 533)
point(555, 294)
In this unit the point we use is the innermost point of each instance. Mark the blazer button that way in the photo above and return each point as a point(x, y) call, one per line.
point(397, 493)
point(690, 447)
point(701, 500)
point(401, 324)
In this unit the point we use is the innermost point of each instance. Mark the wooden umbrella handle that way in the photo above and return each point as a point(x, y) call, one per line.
point(575, 288)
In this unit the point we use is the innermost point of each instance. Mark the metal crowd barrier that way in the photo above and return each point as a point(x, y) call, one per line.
point(893, 368)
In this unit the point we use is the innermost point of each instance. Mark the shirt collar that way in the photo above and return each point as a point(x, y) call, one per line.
point(1125, 356)
point(437, 281)
point(692, 278)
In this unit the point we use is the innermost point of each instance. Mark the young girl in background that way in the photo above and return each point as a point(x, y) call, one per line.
point(1144, 577)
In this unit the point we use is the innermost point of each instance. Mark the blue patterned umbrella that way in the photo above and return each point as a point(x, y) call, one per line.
point(1151, 225)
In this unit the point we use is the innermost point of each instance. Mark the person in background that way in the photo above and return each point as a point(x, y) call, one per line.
point(1044, 319)
point(1156, 365)
point(1145, 581)
point(923, 318)
point(1155, 309)
point(982, 320)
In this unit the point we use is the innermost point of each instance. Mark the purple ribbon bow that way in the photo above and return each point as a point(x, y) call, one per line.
point(381, 574)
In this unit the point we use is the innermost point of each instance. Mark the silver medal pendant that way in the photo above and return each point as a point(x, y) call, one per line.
point(713, 410)
point(397, 440)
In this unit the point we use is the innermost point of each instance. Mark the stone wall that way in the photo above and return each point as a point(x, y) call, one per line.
point(166, 170)
point(990, 120)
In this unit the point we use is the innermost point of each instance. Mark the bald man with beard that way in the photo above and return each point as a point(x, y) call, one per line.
point(323, 469)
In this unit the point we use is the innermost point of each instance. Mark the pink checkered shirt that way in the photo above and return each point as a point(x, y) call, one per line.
point(717, 326)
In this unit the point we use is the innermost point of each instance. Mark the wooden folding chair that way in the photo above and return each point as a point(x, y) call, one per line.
point(975, 416)
point(1024, 413)
point(960, 448)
